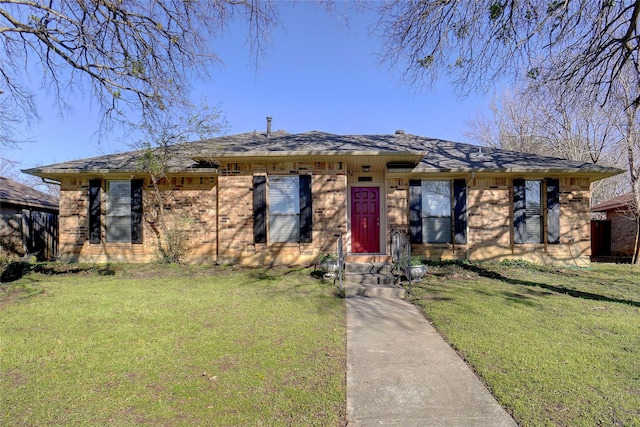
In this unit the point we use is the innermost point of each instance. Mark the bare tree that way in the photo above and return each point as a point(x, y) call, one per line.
point(514, 124)
point(629, 128)
point(583, 44)
point(587, 47)
point(8, 168)
point(135, 55)
point(164, 138)
point(538, 121)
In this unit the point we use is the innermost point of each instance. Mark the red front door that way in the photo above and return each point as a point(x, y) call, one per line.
point(365, 219)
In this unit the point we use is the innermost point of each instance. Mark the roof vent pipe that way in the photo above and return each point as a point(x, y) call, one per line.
point(269, 126)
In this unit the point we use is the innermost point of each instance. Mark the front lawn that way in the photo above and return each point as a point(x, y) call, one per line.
point(172, 346)
point(129, 345)
point(556, 346)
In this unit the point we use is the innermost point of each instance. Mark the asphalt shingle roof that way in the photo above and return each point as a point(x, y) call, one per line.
point(437, 154)
point(623, 201)
point(22, 195)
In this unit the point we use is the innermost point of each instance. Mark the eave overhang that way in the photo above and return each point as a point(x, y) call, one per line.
point(29, 204)
point(53, 173)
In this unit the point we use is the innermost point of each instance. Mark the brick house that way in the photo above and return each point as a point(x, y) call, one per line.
point(263, 198)
point(616, 235)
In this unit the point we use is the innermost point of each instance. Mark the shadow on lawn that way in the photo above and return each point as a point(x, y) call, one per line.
point(267, 279)
point(558, 289)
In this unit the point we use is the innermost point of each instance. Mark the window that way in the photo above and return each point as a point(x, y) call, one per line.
point(282, 205)
point(528, 211)
point(119, 211)
point(124, 211)
point(436, 217)
point(533, 211)
point(436, 211)
point(284, 209)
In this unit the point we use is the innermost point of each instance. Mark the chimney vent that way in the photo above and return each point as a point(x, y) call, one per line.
point(399, 132)
point(269, 118)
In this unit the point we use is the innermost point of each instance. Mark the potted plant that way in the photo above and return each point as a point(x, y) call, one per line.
point(328, 263)
point(416, 269)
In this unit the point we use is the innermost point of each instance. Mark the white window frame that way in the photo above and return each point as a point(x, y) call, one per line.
point(534, 213)
point(283, 208)
point(118, 211)
point(436, 211)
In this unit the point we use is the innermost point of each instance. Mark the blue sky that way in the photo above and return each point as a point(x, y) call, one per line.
point(320, 73)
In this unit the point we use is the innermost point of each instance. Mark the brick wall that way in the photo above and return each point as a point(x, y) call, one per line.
point(219, 213)
point(490, 223)
point(190, 204)
point(398, 204)
point(490, 217)
point(235, 218)
point(575, 223)
point(623, 234)
point(74, 220)
point(235, 221)
point(191, 198)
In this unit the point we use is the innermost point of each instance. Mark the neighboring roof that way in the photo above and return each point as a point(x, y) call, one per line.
point(437, 155)
point(619, 202)
point(22, 195)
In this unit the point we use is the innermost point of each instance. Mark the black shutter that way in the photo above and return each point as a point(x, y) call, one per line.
point(136, 211)
point(519, 209)
point(415, 211)
point(260, 209)
point(553, 211)
point(94, 210)
point(306, 212)
point(460, 211)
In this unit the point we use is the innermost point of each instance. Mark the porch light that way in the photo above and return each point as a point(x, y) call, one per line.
point(366, 168)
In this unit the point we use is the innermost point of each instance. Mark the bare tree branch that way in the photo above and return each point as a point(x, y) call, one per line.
point(540, 122)
point(138, 55)
point(583, 44)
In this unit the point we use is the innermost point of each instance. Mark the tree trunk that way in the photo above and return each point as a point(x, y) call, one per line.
point(635, 259)
point(632, 145)
point(163, 224)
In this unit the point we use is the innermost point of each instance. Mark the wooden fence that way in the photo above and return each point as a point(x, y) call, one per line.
point(26, 233)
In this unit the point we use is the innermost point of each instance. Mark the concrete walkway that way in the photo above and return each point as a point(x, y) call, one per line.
point(400, 372)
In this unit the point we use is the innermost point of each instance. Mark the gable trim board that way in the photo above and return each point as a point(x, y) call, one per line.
point(474, 209)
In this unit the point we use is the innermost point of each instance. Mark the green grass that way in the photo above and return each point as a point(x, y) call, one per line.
point(168, 345)
point(557, 346)
point(172, 346)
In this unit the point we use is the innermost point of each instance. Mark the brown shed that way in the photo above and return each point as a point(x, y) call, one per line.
point(28, 222)
point(614, 236)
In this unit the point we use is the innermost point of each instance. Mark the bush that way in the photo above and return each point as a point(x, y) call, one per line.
point(176, 240)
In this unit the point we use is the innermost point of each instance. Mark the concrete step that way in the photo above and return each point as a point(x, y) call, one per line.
point(368, 267)
point(369, 273)
point(370, 278)
point(366, 258)
point(374, 291)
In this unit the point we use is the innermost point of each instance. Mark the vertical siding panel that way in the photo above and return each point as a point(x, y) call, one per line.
point(460, 211)
point(260, 209)
point(553, 211)
point(136, 211)
point(94, 211)
point(519, 209)
point(415, 211)
point(306, 211)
